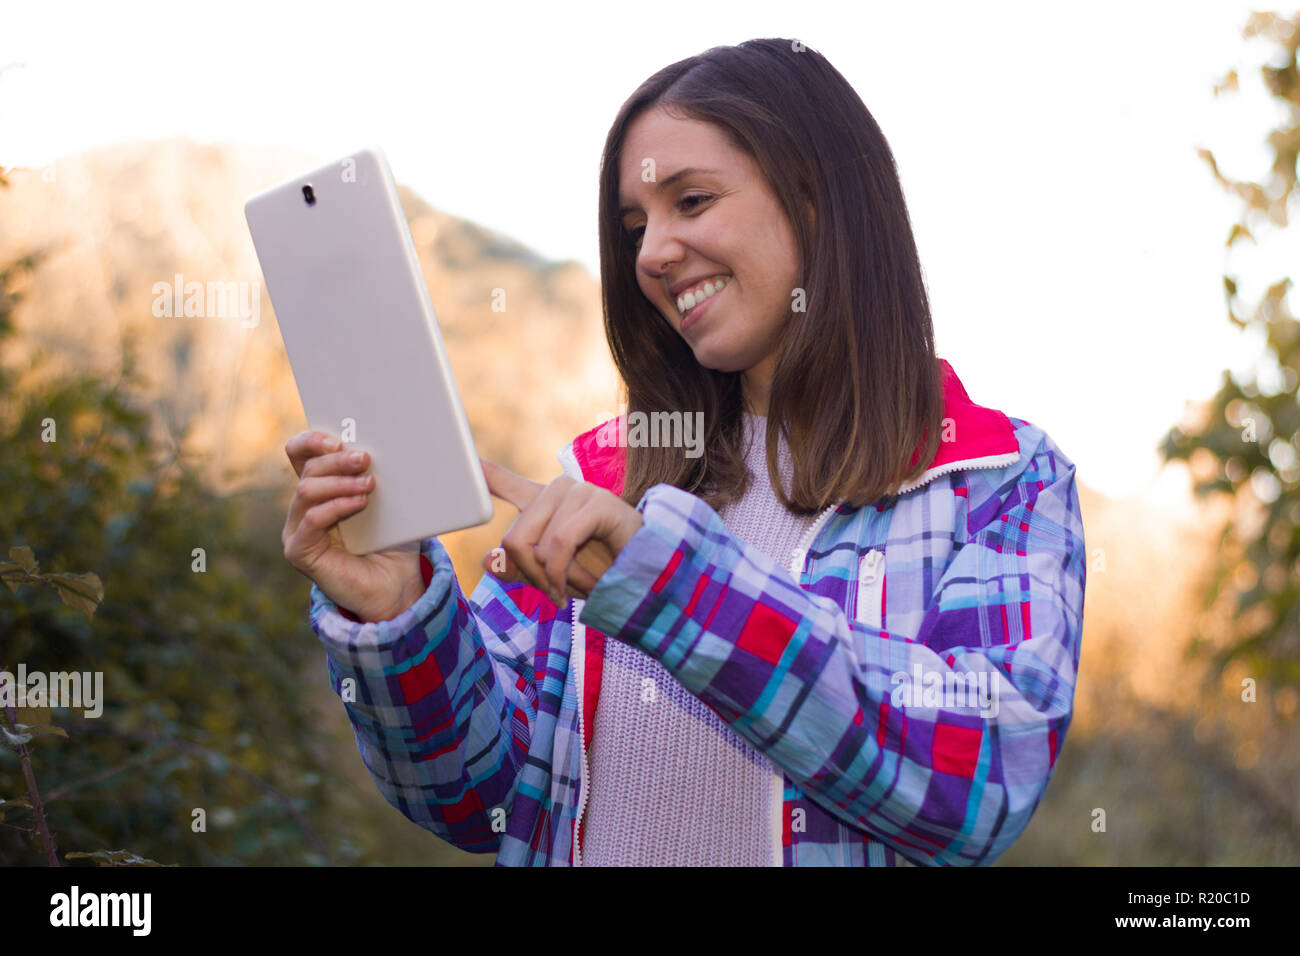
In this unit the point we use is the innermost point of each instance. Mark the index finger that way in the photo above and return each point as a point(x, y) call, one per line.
point(505, 484)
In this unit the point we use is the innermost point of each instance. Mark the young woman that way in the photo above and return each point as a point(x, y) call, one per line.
point(847, 633)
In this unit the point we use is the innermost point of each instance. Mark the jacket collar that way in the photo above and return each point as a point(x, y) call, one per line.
point(977, 437)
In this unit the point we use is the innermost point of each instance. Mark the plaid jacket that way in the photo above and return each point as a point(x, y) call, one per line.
point(854, 669)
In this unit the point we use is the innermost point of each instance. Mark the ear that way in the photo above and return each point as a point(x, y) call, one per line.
point(812, 215)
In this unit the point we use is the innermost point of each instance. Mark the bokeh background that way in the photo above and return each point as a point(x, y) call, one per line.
point(1101, 197)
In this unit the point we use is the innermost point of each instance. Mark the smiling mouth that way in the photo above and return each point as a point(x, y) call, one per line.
point(688, 303)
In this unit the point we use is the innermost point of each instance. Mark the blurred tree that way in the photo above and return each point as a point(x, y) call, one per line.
point(1250, 438)
point(209, 668)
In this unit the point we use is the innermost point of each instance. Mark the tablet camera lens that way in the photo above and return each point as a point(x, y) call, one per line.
point(309, 194)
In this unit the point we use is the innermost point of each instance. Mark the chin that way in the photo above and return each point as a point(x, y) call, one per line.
point(719, 363)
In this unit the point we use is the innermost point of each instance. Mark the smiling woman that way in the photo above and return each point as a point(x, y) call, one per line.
point(709, 659)
point(759, 166)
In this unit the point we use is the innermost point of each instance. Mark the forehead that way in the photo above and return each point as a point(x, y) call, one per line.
point(672, 143)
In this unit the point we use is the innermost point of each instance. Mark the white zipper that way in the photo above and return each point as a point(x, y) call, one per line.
point(805, 544)
point(777, 823)
point(578, 659)
point(969, 464)
point(871, 580)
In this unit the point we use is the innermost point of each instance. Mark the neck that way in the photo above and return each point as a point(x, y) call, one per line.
point(756, 386)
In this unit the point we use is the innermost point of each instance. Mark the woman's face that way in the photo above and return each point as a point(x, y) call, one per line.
point(718, 221)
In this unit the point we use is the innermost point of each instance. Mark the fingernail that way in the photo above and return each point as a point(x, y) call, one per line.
point(356, 457)
point(333, 444)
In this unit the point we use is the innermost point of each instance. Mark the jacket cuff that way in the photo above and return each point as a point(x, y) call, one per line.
point(353, 645)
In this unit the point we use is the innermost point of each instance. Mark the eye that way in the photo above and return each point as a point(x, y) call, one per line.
point(686, 203)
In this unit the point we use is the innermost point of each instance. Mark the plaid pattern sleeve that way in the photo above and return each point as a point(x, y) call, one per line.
point(441, 699)
point(872, 723)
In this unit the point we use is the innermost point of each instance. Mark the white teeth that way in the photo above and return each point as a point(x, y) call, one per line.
point(693, 298)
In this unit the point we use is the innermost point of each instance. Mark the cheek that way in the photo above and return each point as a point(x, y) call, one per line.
point(652, 294)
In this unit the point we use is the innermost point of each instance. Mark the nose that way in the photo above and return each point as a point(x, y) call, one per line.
point(659, 250)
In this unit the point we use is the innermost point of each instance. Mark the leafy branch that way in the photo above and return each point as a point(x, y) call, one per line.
point(85, 593)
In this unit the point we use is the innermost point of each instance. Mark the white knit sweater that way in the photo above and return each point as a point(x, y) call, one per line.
point(671, 783)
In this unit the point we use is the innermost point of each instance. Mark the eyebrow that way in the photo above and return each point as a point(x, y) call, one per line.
point(665, 183)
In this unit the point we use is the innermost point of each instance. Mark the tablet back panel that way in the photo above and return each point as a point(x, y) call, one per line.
point(365, 348)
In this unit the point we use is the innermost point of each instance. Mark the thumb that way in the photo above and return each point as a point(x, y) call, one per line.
point(498, 564)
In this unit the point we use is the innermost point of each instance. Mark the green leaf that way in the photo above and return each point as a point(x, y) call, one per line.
point(85, 592)
point(25, 558)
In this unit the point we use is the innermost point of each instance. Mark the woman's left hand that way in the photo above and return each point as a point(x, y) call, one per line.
point(567, 535)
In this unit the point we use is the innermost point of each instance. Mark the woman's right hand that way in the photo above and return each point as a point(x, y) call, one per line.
point(333, 484)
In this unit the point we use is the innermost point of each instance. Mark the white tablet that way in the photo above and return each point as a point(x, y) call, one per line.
point(365, 348)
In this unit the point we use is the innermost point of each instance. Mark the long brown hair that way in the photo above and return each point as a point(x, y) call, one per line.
point(856, 388)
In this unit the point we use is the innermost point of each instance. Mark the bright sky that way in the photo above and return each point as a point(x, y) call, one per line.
point(1071, 238)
